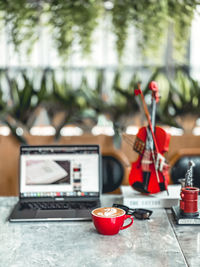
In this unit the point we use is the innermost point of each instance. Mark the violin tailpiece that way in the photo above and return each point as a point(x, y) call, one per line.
point(138, 186)
point(162, 186)
point(139, 146)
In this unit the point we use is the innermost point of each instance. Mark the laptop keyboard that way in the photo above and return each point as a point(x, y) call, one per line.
point(58, 205)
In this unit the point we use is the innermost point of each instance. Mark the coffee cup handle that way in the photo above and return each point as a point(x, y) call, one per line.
point(128, 225)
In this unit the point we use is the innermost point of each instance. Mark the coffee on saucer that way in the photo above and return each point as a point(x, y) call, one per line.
point(110, 220)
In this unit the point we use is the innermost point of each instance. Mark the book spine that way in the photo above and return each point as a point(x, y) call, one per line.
point(150, 203)
point(188, 221)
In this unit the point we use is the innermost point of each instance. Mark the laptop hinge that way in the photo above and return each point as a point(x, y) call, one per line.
point(57, 199)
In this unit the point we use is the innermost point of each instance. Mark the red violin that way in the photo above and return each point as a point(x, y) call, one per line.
point(149, 174)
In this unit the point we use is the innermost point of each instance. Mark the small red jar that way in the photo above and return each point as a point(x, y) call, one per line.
point(189, 201)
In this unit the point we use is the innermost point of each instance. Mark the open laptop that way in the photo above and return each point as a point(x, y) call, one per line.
point(58, 183)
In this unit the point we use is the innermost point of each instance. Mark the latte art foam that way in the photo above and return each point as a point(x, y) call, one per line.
point(108, 212)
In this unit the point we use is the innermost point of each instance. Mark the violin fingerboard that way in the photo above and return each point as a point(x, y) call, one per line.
point(139, 146)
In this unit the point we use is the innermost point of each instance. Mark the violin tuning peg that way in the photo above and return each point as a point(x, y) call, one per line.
point(137, 92)
point(153, 86)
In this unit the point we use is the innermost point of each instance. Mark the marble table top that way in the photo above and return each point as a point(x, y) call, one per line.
point(154, 242)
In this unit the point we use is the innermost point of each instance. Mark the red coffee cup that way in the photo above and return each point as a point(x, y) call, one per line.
point(110, 220)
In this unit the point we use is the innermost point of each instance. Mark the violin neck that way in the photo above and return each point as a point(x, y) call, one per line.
point(139, 91)
point(153, 114)
point(149, 140)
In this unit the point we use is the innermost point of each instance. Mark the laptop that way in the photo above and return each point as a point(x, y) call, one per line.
point(58, 183)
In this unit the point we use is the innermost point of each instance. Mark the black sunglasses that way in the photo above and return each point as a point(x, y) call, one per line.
point(141, 214)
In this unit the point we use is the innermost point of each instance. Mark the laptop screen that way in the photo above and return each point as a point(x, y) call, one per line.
point(57, 171)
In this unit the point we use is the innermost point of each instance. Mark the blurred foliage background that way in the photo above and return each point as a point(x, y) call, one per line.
point(75, 21)
point(161, 30)
point(83, 105)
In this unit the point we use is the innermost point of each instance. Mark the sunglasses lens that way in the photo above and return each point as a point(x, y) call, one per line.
point(142, 214)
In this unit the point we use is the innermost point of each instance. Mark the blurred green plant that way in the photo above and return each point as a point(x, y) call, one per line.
point(74, 21)
point(21, 20)
point(20, 99)
point(183, 96)
point(180, 15)
point(144, 15)
point(3, 103)
point(154, 20)
point(71, 21)
point(120, 20)
point(24, 100)
point(79, 104)
point(180, 95)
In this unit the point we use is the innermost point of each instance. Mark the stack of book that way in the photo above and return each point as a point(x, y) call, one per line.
point(184, 220)
point(134, 199)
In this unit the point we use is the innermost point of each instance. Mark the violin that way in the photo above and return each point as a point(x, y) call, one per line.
point(149, 173)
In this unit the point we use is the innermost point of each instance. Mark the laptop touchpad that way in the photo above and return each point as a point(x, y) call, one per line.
point(55, 214)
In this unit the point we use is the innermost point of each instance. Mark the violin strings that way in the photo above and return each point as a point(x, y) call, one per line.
point(127, 139)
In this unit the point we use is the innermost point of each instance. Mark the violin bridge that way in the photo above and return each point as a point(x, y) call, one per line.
point(160, 162)
point(139, 146)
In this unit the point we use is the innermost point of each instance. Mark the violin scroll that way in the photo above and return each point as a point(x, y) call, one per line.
point(153, 86)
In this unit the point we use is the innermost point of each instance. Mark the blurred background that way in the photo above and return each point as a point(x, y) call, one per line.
point(68, 70)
